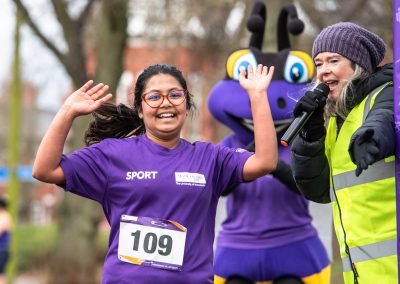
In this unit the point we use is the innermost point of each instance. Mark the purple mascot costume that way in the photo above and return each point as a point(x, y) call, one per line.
point(267, 236)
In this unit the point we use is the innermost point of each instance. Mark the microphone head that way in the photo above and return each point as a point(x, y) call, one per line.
point(322, 89)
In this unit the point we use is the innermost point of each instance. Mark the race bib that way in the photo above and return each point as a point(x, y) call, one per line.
point(151, 242)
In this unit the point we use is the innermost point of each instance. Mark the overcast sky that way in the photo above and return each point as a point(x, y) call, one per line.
point(6, 31)
point(38, 65)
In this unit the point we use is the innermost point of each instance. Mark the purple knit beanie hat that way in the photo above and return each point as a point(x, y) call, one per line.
point(353, 42)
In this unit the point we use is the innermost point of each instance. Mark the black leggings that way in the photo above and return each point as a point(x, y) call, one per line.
point(4, 256)
point(288, 279)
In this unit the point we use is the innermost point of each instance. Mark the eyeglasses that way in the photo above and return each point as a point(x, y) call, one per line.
point(155, 99)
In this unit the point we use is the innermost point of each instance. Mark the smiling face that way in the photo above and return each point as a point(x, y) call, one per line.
point(164, 123)
point(333, 70)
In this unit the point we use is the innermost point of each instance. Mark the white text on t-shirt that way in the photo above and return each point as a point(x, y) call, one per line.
point(141, 175)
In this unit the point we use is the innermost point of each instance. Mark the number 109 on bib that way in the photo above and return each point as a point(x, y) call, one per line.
point(151, 242)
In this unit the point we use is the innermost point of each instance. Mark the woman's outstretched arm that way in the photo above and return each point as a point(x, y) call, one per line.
point(85, 100)
point(266, 150)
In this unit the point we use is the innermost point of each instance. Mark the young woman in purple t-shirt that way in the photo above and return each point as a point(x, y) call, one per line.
point(158, 191)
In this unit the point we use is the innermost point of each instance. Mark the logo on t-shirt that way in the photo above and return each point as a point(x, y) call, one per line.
point(141, 175)
point(193, 179)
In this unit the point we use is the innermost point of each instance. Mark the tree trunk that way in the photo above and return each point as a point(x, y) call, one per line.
point(112, 37)
point(13, 147)
point(75, 259)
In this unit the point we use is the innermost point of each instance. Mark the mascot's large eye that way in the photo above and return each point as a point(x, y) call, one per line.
point(298, 67)
point(239, 59)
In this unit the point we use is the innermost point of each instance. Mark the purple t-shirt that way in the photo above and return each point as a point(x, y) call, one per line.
point(264, 213)
point(138, 177)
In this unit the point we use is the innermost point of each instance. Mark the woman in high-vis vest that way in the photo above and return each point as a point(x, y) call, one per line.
point(345, 152)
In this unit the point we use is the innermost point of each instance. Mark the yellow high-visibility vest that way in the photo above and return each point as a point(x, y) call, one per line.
point(364, 207)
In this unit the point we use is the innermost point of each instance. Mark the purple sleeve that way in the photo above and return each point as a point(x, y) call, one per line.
point(85, 172)
point(231, 162)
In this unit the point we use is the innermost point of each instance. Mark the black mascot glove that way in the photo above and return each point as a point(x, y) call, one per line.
point(283, 173)
point(363, 149)
point(314, 128)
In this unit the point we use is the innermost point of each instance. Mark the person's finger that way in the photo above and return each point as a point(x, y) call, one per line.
point(100, 92)
point(101, 101)
point(264, 71)
point(363, 164)
point(250, 72)
point(321, 102)
point(95, 89)
point(259, 69)
point(270, 72)
point(310, 103)
point(300, 107)
point(106, 98)
point(358, 171)
point(367, 135)
point(304, 105)
point(369, 159)
point(359, 141)
point(373, 150)
point(242, 74)
point(86, 86)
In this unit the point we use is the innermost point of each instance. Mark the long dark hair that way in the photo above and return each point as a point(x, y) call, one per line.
point(120, 121)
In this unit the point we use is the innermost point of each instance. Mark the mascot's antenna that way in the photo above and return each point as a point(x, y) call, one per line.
point(295, 26)
point(256, 24)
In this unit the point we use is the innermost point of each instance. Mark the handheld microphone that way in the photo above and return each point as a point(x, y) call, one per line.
point(322, 90)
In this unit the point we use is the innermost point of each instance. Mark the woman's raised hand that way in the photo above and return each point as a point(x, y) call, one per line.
point(257, 82)
point(87, 99)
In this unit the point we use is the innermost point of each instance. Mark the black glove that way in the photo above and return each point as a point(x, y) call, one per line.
point(314, 128)
point(363, 149)
point(283, 172)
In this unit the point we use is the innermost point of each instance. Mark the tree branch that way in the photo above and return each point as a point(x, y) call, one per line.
point(38, 33)
point(355, 7)
point(83, 16)
point(65, 20)
point(75, 58)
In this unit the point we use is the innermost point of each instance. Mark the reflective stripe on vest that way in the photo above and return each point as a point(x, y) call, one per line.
point(367, 106)
point(378, 171)
point(369, 252)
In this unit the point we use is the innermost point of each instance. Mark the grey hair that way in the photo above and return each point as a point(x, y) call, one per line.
point(340, 107)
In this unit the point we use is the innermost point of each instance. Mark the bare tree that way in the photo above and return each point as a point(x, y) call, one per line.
point(373, 15)
point(74, 259)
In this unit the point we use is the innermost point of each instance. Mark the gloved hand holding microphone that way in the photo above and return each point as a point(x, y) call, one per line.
point(309, 116)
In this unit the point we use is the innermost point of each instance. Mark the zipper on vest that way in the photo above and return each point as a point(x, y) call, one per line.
point(347, 250)
point(353, 266)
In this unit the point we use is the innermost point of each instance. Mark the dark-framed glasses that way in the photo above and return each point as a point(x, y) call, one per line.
point(155, 99)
